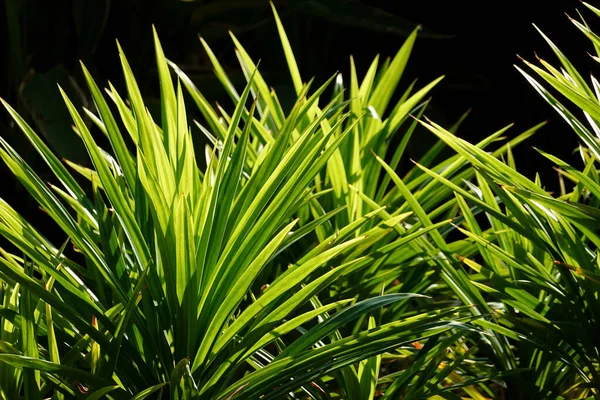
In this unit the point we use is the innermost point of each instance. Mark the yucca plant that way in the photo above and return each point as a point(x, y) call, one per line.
point(537, 259)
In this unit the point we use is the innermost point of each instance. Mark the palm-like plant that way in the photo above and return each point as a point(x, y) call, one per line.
point(297, 260)
point(231, 281)
point(357, 180)
point(538, 254)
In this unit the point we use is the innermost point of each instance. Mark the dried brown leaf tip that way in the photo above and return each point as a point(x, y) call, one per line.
point(417, 345)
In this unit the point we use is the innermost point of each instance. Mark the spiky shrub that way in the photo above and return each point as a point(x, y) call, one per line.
point(537, 253)
point(287, 264)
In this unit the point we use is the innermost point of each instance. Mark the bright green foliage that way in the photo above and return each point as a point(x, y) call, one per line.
point(268, 272)
point(537, 254)
point(296, 258)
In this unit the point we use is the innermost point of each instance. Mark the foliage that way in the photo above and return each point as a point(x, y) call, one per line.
point(539, 252)
point(244, 278)
point(298, 258)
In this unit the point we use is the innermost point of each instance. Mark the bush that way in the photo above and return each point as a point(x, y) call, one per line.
point(539, 254)
point(270, 270)
point(297, 259)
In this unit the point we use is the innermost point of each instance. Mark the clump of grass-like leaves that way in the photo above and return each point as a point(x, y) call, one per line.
point(538, 253)
point(240, 280)
point(300, 262)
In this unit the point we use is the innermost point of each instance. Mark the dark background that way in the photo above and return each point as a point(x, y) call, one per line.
point(473, 43)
